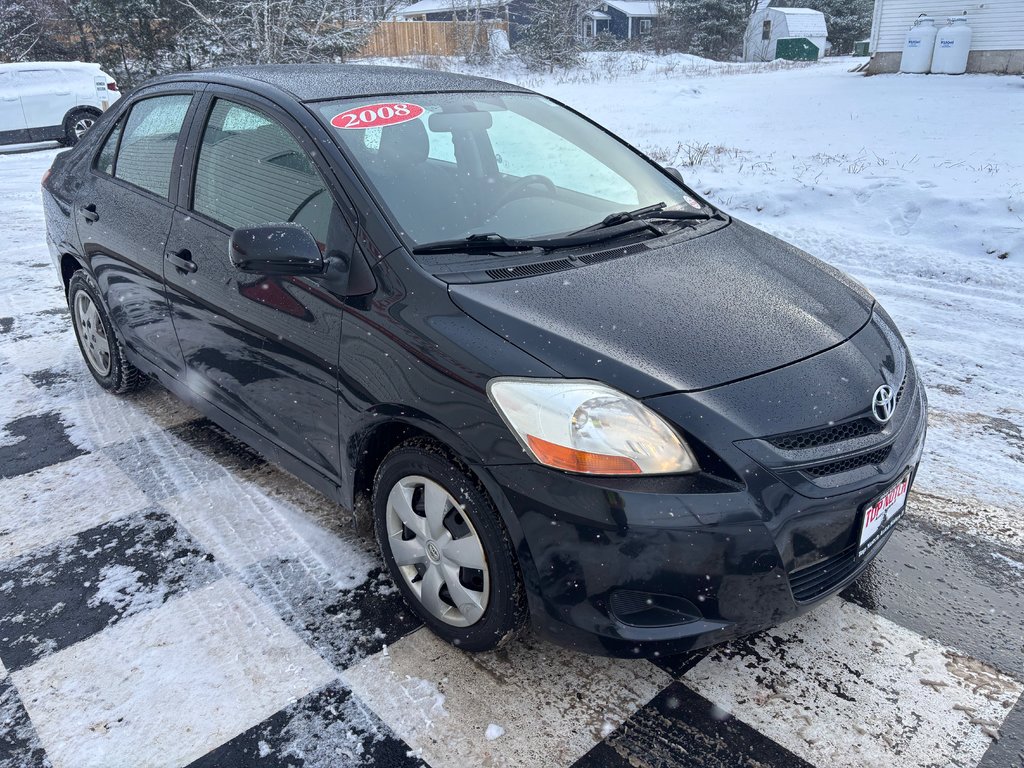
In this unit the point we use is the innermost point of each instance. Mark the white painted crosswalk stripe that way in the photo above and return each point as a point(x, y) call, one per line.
point(550, 705)
point(166, 686)
point(842, 686)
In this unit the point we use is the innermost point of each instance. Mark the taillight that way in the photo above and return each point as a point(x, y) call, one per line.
point(46, 175)
point(111, 86)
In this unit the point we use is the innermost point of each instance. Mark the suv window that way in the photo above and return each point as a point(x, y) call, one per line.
point(251, 171)
point(146, 155)
point(48, 76)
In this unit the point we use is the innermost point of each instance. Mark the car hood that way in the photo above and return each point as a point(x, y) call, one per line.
point(682, 317)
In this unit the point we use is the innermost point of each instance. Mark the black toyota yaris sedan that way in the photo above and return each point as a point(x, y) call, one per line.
point(566, 388)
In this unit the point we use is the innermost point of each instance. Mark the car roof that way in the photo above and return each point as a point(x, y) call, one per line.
point(318, 82)
point(18, 66)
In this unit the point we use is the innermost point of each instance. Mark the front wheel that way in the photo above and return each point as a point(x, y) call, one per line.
point(446, 548)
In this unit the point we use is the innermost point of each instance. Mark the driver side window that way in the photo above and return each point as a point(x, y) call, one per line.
point(251, 171)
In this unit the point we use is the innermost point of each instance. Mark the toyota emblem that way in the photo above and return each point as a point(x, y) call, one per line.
point(883, 403)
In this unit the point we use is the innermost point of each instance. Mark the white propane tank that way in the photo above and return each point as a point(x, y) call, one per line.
point(952, 44)
point(917, 50)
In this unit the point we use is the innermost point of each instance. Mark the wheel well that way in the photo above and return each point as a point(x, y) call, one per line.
point(370, 452)
point(68, 266)
point(75, 110)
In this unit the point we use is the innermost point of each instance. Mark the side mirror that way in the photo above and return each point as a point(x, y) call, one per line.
point(675, 173)
point(275, 249)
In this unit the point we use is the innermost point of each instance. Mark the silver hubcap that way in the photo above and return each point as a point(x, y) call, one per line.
point(438, 551)
point(92, 334)
point(82, 125)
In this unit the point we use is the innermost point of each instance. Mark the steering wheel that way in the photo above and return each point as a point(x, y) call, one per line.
point(519, 187)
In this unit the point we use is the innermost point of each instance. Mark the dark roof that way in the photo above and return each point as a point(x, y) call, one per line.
point(314, 82)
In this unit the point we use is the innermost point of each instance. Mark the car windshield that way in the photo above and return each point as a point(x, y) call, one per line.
point(448, 166)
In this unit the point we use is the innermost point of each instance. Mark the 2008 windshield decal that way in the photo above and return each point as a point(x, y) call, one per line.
point(377, 116)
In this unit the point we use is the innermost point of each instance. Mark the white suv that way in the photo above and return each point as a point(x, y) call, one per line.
point(52, 100)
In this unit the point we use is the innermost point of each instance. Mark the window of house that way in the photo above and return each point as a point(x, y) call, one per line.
point(766, 30)
point(645, 26)
point(146, 154)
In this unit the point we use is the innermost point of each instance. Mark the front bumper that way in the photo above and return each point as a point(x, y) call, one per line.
point(728, 555)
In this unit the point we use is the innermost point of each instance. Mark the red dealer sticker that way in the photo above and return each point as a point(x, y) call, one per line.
point(377, 115)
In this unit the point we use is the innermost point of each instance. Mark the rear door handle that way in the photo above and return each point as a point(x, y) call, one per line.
point(182, 260)
point(89, 213)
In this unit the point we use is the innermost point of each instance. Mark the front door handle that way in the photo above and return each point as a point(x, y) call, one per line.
point(89, 213)
point(182, 260)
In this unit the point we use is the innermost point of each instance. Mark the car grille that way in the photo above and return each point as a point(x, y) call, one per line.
point(850, 463)
point(835, 433)
point(815, 580)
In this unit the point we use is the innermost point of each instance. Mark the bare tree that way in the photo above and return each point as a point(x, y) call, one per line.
point(20, 31)
point(282, 31)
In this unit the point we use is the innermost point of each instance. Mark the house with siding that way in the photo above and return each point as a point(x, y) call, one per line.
point(624, 19)
point(997, 43)
point(515, 12)
point(449, 10)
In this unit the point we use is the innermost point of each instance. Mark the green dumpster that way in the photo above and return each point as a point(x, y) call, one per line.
point(861, 48)
point(796, 49)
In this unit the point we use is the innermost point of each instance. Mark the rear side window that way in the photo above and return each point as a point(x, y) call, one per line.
point(39, 76)
point(251, 171)
point(150, 137)
point(105, 161)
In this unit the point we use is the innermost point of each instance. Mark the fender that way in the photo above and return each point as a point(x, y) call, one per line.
point(401, 422)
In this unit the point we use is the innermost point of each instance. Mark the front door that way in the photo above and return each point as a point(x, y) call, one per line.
point(123, 213)
point(262, 348)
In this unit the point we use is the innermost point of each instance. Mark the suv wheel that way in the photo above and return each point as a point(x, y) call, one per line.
point(102, 351)
point(76, 125)
point(446, 548)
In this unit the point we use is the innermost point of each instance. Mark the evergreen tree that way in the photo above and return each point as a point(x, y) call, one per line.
point(848, 21)
point(709, 28)
point(551, 33)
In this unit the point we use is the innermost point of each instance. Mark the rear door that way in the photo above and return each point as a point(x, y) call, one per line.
point(12, 118)
point(124, 211)
point(46, 96)
point(262, 348)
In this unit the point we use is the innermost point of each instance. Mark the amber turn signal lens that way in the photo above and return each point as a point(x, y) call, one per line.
point(570, 459)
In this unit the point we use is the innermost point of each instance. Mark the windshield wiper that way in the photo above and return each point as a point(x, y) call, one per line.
point(621, 217)
point(643, 216)
point(495, 243)
point(482, 243)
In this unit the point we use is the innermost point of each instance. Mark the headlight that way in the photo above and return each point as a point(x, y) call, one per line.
point(588, 427)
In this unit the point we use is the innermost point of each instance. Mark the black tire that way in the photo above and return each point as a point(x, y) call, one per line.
point(506, 611)
point(71, 122)
point(121, 376)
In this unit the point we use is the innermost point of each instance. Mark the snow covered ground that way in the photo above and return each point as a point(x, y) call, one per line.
point(167, 597)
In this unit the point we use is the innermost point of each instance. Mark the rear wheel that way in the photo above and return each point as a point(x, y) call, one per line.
point(77, 124)
point(100, 347)
point(446, 548)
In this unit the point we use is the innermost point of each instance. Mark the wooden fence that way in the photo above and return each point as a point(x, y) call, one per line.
point(428, 38)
